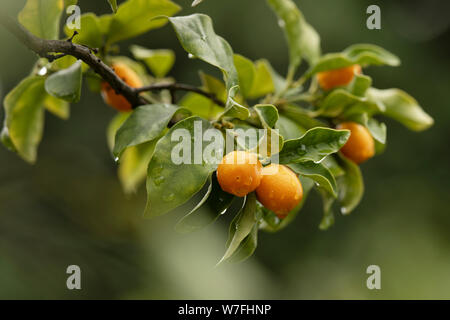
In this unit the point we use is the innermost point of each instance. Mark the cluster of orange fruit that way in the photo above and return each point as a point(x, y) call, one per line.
point(241, 172)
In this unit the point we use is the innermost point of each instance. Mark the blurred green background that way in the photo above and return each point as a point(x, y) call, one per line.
point(69, 207)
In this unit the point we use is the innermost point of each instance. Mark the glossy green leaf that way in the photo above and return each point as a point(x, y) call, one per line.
point(328, 214)
point(200, 105)
point(350, 186)
point(196, 2)
point(90, 32)
point(341, 101)
point(289, 129)
point(159, 61)
point(301, 117)
point(143, 125)
point(360, 84)
point(214, 204)
point(314, 145)
point(400, 106)
point(58, 107)
point(24, 121)
point(171, 183)
point(114, 125)
point(377, 129)
point(113, 4)
point(246, 72)
point(317, 172)
point(241, 226)
point(268, 115)
point(105, 23)
point(135, 17)
point(196, 35)
point(66, 84)
point(234, 109)
point(42, 17)
point(247, 247)
point(215, 86)
point(362, 54)
point(133, 165)
point(263, 82)
point(303, 40)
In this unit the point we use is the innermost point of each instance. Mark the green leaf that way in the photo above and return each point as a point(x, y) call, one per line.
point(247, 247)
point(196, 2)
point(233, 109)
point(215, 203)
point(196, 35)
point(215, 86)
point(303, 40)
point(317, 172)
point(263, 83)
point(377, 129)
point(143, 125)
point(341, 101)
point(58, 107)
point(135, 17)
point(268, 115)
point(41, 17)
point(314, 145)
point(301, 117)
point(169, 183)
point(24, 121)
point(133, 165)
point(360, 84)
point(105, 23)
point(200, 105)
point(350, 186)
point(246, 72)
point(362, 54)
point(328, 215)
point(66, 84)
point(400, 106)
point(241, 226)
point(114, 125)
point(289, 129)
point(159, 61)
point(90, 32)
point(113, 4)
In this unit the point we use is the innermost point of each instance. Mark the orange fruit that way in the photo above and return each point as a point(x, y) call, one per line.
point(239, 173)
point(280, 190)
point(337, 77)
point(360, 146)
point(118, 101)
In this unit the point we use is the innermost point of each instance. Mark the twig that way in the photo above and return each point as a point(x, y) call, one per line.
point(55, 49)
point(181, 87)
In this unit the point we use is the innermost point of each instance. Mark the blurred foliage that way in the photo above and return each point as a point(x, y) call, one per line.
point(69, 208)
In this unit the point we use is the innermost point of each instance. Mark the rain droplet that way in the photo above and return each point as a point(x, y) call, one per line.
point(343, 210)
point(42, 71)
point(191, 56)
point(302, 150)
point(158, 180)
point(116, 159)
point(281, 23)
point(169, 197)
point(157, 170)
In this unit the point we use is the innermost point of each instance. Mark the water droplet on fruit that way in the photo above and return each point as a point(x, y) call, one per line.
point(191, 56)
point(116, 159)
point(281, 23)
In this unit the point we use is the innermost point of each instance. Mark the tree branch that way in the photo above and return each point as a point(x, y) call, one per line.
point(55, 49)
point(181, 87)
